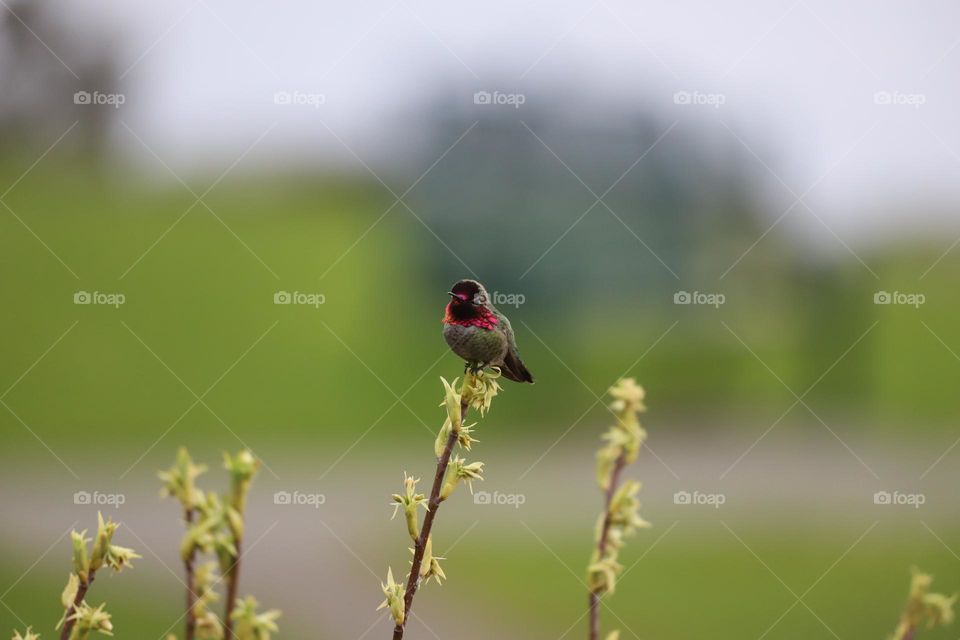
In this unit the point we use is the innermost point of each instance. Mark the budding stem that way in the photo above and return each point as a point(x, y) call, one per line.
point(594, 600)
point(68, 624)
point(233, 581)
point(420, 544)
point(191, 623)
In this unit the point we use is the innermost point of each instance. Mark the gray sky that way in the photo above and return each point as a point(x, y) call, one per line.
point(798, 81)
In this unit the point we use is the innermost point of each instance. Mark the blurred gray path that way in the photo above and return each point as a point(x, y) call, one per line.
point(321, 563)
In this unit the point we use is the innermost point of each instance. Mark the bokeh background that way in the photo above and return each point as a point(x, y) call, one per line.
point(790, 169)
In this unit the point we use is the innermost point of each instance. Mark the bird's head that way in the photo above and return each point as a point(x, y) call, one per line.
point(468, 298)
point(469, 292)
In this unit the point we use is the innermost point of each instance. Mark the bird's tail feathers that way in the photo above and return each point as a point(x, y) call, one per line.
point(514, 369)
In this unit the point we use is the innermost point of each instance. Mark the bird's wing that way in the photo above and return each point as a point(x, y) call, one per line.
point(504, 322)
point(514, 368)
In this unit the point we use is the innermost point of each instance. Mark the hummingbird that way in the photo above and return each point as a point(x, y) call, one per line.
point(480, 334)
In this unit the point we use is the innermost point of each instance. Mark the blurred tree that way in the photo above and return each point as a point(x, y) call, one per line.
point(501, 200)
point(45, 59)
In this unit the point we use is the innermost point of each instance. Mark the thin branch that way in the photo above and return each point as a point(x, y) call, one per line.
point(233, 582)
point(594, 599)
point(68, 624)
point(413, 582)
point(191, 623)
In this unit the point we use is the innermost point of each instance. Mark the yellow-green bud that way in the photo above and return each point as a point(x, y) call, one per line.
point(70, 591)
point(409, 500)
point(179, 480)
point(250, 625)
point(430, 565)
point(452, 402)
point(119, 558)
point(394, 598)
point(458, 470)
point(441, 442)
point(88, 620)
point(81, 563)
point(101, 544)
point(924, 608)
point(242, 467)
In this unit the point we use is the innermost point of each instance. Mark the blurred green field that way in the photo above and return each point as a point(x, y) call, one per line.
point(199, 295)
point(699, 581)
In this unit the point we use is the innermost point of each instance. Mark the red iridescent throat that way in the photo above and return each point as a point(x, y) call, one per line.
point(483, 318)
